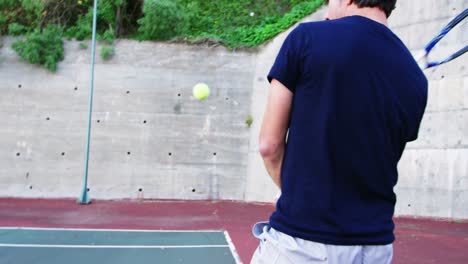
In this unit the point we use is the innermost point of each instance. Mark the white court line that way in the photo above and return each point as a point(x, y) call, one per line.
point(111, 230)
point(232, 248)
point(226, 234)
point(107, 246)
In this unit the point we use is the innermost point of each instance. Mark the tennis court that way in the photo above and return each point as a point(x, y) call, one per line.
point(30, 245)
point(108, 230)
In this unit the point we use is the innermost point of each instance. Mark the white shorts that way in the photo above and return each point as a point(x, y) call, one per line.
point(278, 248)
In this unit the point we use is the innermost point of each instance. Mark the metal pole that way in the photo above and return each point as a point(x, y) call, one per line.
point(84, 198)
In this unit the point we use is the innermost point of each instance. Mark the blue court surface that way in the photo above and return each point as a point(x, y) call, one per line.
point(70, 246)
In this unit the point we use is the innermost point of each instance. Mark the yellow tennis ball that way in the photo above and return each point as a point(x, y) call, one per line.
point(201, 91)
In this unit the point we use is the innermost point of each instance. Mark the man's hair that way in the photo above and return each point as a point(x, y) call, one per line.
point(385, 5)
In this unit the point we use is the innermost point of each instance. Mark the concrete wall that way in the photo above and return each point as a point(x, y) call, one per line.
point(434, 169)
point(148, 132)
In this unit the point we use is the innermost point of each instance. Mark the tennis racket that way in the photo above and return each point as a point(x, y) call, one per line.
point(423, 58)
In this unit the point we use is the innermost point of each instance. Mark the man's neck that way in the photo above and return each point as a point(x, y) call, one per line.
point(371, 13)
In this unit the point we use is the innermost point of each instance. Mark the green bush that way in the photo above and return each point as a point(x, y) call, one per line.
point(8, 11)
point(162, 20)
point(109, 20)
point(43, 48)
point(3, 23)
point(107, 52)
point(83, 45)
point(32, 12)
point(108, 36)
point(16, 29)
point(24, 12)
point(83, 27)
point(8, 4)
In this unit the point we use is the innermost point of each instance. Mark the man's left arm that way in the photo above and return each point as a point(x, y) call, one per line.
point(274, 128)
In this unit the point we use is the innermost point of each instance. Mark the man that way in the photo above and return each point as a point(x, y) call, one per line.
point(348, 96)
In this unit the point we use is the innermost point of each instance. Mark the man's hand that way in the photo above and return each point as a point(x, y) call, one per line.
point(274, 129)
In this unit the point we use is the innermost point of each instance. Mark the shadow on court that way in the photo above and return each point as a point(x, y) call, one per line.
point(418, 241)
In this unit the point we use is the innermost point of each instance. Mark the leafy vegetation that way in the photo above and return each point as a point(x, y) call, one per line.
point(162, 19)
point(16, 29)
point(243, 23)
point(107, 52)
point(83, 45)
point(249, 121)
point(42, 47)
point(239, 23)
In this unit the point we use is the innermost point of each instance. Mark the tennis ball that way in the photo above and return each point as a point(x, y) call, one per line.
point(201, 91)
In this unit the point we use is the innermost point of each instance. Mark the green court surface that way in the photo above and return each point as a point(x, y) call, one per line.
point(70, 246)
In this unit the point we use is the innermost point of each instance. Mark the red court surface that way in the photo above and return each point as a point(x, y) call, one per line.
point(418, 241)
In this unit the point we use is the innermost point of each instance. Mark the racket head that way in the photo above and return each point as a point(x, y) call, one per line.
point(423, 57)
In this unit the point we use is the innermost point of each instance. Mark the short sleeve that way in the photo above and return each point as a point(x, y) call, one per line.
point(286, 68)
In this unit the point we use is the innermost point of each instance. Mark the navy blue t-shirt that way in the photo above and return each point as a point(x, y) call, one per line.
point(359, 97)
